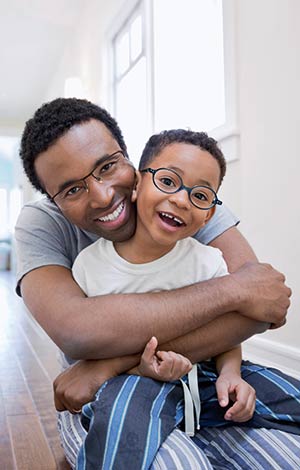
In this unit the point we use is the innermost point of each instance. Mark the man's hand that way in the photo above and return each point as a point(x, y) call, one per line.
point(78, 384)
point(263, 293)
point(162, 365)
point(233, 387)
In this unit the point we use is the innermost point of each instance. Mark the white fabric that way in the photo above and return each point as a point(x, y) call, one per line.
point(98, 269)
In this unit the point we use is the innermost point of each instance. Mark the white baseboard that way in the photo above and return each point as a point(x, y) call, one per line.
point(273, 354)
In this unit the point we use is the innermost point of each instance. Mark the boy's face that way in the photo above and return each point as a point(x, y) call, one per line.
point(157, 210)
point(71, 158)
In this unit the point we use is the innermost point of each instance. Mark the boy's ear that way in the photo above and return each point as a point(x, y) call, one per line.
point(209, 214)
point(137, 183)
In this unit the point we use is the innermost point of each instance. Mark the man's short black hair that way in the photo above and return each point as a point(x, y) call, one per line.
point(51, 121)
point(158, 142)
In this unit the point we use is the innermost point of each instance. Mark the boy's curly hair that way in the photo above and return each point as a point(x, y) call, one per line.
point(158, 142)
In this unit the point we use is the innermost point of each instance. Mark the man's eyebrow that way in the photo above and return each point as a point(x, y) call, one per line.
point(201, 181)
point(69, 182)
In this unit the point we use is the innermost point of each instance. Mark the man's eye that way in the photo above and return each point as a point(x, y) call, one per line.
point(74, 191)
point(107, 167)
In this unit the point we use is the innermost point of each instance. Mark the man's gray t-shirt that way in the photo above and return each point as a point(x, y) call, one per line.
point(45, 237)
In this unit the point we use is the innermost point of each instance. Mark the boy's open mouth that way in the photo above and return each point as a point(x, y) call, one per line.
point(171, 219)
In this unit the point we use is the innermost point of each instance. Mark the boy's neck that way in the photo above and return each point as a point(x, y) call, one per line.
point(140, 249)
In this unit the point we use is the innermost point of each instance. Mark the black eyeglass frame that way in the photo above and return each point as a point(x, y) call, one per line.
point(215, 202)
point(97, 178)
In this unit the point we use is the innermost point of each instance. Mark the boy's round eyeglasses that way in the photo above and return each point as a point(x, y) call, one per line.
point(110, 168)
point(168, 181)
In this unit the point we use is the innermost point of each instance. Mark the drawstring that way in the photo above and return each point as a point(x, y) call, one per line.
point(191, 401)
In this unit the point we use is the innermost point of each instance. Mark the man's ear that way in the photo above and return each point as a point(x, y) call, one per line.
point(137, 183)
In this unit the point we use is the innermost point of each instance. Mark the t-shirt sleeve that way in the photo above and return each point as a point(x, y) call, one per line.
point(222, 269)
point(222, 220)
point(78, 271)
point(39, 242)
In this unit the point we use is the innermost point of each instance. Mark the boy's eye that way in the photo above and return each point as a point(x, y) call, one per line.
point(166, 181)
point(200, 196)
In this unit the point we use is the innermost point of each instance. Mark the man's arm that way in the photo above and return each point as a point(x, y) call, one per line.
point(120, 324)
point(227, 331)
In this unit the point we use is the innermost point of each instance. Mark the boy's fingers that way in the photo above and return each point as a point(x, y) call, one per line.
point(222, 393)
point(244, 407)
point(149, 350)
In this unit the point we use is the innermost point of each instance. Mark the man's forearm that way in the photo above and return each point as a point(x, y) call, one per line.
point(216, 337)
point(116, 325)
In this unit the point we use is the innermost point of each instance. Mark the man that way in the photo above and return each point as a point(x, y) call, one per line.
point(61, 146)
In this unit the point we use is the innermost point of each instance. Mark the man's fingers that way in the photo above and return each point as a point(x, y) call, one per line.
point(59, 405)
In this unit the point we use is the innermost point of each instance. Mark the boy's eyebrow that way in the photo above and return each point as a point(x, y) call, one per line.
point(201, 181)
point(67, 183)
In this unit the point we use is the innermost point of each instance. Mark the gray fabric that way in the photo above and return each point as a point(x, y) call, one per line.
point(45, 237)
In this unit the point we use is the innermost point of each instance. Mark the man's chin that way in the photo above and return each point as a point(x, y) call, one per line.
point(117, 234)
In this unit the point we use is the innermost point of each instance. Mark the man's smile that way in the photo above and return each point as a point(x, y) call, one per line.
point(113, 215)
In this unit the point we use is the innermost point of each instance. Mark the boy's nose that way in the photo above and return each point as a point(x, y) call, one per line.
point(100, 193)
point(181, 199)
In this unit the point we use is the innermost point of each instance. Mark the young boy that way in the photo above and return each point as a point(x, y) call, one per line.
point(176, 193)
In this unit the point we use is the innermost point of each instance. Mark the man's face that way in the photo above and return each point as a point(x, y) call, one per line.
point(163, 219)
point(106, 209)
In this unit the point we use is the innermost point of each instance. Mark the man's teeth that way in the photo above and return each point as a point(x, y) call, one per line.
point(169, 216)
point(114, 215)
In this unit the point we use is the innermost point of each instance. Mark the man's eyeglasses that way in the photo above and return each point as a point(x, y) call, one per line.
point(168, 181)
point(108, 169)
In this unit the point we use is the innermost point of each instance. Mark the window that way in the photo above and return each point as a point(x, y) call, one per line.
point(174, 67)
point(10, 193)
point(130, 82)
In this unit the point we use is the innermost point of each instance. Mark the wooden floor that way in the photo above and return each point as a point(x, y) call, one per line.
point(28, 436)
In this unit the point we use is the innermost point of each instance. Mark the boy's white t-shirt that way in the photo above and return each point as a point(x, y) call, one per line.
point(99, 270)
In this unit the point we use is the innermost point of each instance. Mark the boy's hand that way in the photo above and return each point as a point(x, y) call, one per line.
point(233, 387)
point(162, 365)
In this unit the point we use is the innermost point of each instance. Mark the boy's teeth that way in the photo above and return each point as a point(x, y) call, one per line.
point(114, 215)
point(164, 214)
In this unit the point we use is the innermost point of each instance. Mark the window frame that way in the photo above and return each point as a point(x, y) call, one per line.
point(228, 134)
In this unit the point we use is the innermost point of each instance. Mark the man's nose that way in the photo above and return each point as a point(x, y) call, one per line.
point(100, 193)
point(181, 199)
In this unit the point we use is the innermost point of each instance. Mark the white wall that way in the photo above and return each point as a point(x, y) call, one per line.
point(262, 186)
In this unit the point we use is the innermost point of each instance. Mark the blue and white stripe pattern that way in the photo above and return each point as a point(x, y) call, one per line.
point(131, 425)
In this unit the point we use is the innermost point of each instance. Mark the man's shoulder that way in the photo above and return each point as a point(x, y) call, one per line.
point(41, 221)
point(43, 209)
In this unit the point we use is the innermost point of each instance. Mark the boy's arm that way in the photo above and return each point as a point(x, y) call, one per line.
point(229, 361)
point(231, 387)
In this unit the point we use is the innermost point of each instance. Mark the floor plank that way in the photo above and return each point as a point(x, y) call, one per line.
point(29, 443)
point(28, 364)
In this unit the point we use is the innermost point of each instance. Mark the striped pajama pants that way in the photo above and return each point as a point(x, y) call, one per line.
point(133, 424)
